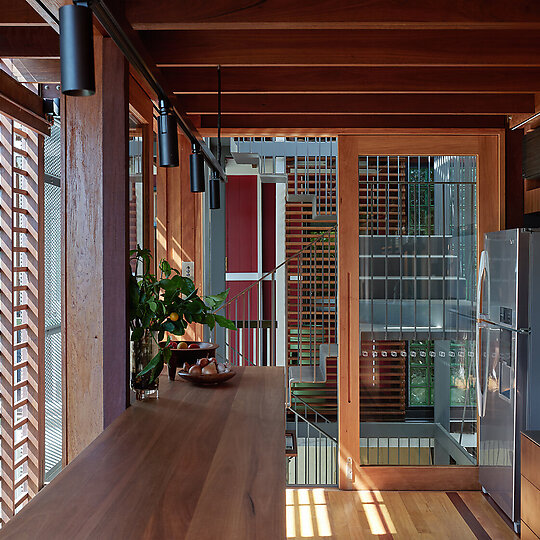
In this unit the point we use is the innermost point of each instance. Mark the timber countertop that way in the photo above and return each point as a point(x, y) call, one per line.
point(198, 463)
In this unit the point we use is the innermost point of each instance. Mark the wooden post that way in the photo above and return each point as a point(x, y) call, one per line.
point(349, 320)
point(95, 270)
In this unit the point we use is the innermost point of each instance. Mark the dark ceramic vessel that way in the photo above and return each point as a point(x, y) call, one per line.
point(179, 356)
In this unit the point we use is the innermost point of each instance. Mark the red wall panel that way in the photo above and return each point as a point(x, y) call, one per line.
point(241, 216)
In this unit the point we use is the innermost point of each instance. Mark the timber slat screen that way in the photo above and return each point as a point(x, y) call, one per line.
point(382, 380)
point(310, 323)
point(21, 315)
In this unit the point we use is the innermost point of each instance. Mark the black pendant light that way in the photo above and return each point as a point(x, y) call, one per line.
point(167, 136)
point(215, 187)
point(196, 169)
point(77, 50)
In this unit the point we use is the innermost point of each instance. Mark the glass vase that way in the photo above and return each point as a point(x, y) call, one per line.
point(142, 351)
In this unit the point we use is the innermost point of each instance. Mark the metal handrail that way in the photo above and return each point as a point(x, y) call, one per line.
point(288, 259)
point(308, 406)
point(311, 424)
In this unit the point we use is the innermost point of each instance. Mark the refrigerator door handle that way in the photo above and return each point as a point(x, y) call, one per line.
point(481, 388)
point(483, 272)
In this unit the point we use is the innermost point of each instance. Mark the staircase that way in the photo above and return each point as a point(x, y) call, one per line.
point(311, 304)
point(316, 460)
point(305, 341)
point(308, 165)
point(309, 168)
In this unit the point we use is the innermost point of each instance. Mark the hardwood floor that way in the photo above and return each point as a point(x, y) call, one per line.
point(329, 513)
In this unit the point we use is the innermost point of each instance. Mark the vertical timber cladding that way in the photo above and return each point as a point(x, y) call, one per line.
point(303, 317)
point(22, 322)
point(95, 263)
point(179, 222)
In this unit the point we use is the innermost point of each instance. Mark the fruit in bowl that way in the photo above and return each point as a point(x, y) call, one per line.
point(187, 351)
point(207, 371)
point(195, 369)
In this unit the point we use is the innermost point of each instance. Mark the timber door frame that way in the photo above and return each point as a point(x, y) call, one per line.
point(488, 146)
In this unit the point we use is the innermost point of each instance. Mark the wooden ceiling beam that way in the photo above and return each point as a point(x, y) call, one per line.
point(334, 124)
point(350, 80)
point(17, 13)
point(21, 103)
point(317, 14)
point(321, 104)
point(344, 47)
point(21, 42)
point(38, 70)
point(48, 10)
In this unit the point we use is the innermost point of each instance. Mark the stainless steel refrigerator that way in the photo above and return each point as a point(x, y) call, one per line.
point(507, 359)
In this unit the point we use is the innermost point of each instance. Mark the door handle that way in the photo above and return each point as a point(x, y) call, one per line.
point(479, 390)
point(483, 273)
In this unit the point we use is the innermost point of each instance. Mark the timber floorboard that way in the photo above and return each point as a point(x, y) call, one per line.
point(330, 513)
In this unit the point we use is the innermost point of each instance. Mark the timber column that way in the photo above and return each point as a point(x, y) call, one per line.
point(95, 270)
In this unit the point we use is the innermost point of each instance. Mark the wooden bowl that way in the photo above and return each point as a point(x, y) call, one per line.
point(218, 378)
point(179, 356)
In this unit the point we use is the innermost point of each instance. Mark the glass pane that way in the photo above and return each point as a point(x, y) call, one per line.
point(417, 278)
point(419, 396)
point(418, 376)
point(136, 190)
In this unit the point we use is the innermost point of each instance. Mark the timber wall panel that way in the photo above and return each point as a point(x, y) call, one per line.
point(95, 347)
point(179, 222)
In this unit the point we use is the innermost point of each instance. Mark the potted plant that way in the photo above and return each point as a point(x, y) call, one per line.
point(158, 308)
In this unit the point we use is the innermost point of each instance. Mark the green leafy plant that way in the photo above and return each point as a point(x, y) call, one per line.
point(170, 304)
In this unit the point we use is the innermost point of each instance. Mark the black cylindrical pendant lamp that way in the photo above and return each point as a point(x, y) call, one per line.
point(196, 168)
point(77, 51)
point(215, 192)
point(167, 137)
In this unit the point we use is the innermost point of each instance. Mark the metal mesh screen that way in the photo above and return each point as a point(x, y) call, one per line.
point(53, 307)
point(53, 405)
point(53, 164)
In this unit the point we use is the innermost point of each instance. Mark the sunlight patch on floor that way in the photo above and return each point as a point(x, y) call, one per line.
point(376, 512)
point(308, 517)
point(307, 514)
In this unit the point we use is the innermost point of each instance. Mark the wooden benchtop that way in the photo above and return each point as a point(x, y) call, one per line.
point(198, 463)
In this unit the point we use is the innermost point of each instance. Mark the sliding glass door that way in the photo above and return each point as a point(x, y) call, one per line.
point(410, 227)
point(417, 284)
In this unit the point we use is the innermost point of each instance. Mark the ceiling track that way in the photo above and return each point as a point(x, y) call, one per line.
point(117, 34)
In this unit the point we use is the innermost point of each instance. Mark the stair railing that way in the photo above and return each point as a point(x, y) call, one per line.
point(298, 405)
point(253, 310)
point(316, 461)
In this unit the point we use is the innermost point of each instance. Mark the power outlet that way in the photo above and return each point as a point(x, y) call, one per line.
point(349, 472)
point(188, 269)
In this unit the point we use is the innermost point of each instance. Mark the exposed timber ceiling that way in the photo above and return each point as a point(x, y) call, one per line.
point(321, 63)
